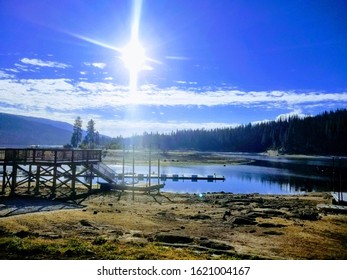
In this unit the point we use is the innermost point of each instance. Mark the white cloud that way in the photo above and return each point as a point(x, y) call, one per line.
point(64, 98)
point(4, 75)
point(296, 113)
point(99, 65)
point(13, 70)
point(42, 63)
point(21, 67)
point(99, 94)
point(260, 122)
point(176, 57)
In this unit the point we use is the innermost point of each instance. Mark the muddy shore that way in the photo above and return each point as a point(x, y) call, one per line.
point(173, 226)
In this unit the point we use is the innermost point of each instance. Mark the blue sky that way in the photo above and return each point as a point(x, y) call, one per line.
point(207, 63)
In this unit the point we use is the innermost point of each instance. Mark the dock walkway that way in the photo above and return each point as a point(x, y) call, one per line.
point(174, 177)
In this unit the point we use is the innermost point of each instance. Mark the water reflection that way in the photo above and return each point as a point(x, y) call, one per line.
point(265, 175)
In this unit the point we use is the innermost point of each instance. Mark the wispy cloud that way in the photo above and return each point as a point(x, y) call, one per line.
point(4, 75)
point(176, 57)
point(99, 65)
point(99, 94)
point(42, 63)
point(63, 99)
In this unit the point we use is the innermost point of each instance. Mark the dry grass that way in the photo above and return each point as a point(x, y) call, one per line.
point(148, 228)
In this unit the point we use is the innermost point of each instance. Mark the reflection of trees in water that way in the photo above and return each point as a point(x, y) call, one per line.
point(312, 175)
point(290, 183)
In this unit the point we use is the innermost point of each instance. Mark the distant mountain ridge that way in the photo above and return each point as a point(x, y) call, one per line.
point(16, 130)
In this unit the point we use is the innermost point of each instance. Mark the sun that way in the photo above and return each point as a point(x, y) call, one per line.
point(134, 56)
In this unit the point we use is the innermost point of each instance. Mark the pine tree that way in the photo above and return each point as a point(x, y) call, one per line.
point(76, 137)
point(90, 139)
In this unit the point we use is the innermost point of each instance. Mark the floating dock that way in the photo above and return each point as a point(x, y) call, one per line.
point(173, 177)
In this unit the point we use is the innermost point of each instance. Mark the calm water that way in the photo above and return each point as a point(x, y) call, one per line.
point(265, 175)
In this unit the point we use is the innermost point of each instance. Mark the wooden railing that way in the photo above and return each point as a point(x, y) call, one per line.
point(30, 155)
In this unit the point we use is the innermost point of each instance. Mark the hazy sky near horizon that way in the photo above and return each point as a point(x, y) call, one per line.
point(192, 64)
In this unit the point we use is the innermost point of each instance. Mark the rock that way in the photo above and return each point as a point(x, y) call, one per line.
point(22, 234)
point(243, 221)
point(200, 217)
point(99, 241)
point(307, 214)
point(86, 223)
point(270, 225)
point(171, 238)
point(117, 232)
point(138, 234)
point(215, 245)
point(167, 215)
point(226, 214)
point(273, 212)
point(256, 214)
point(51, 235)
point(272, 232)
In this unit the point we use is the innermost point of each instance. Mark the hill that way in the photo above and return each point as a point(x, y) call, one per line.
point(18, 130)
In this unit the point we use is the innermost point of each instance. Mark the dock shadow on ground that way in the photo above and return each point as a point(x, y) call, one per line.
point(10, 206)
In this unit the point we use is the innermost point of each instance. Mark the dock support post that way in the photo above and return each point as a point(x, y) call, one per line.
point(38, 176)
point(333, 177)
point(158, 171)
point(29, 178)
point(149, 166)
point(340, 190)
point(3, 186)
point(54, 185)
point(14, 179)
point(133, 173)
point(73, 180)
point(90, 186)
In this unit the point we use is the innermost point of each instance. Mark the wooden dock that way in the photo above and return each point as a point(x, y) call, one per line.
point(56, 173)
point(9, 156)
point(52, 173)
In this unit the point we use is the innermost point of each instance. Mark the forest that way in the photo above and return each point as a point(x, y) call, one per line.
point(324, 134)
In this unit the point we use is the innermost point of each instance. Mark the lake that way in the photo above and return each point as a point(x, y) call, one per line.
point(260, 174)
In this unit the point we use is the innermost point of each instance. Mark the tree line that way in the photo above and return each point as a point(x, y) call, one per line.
point(324, 134)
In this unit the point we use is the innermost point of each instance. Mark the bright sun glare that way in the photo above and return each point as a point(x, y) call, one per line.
point(134, 57)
